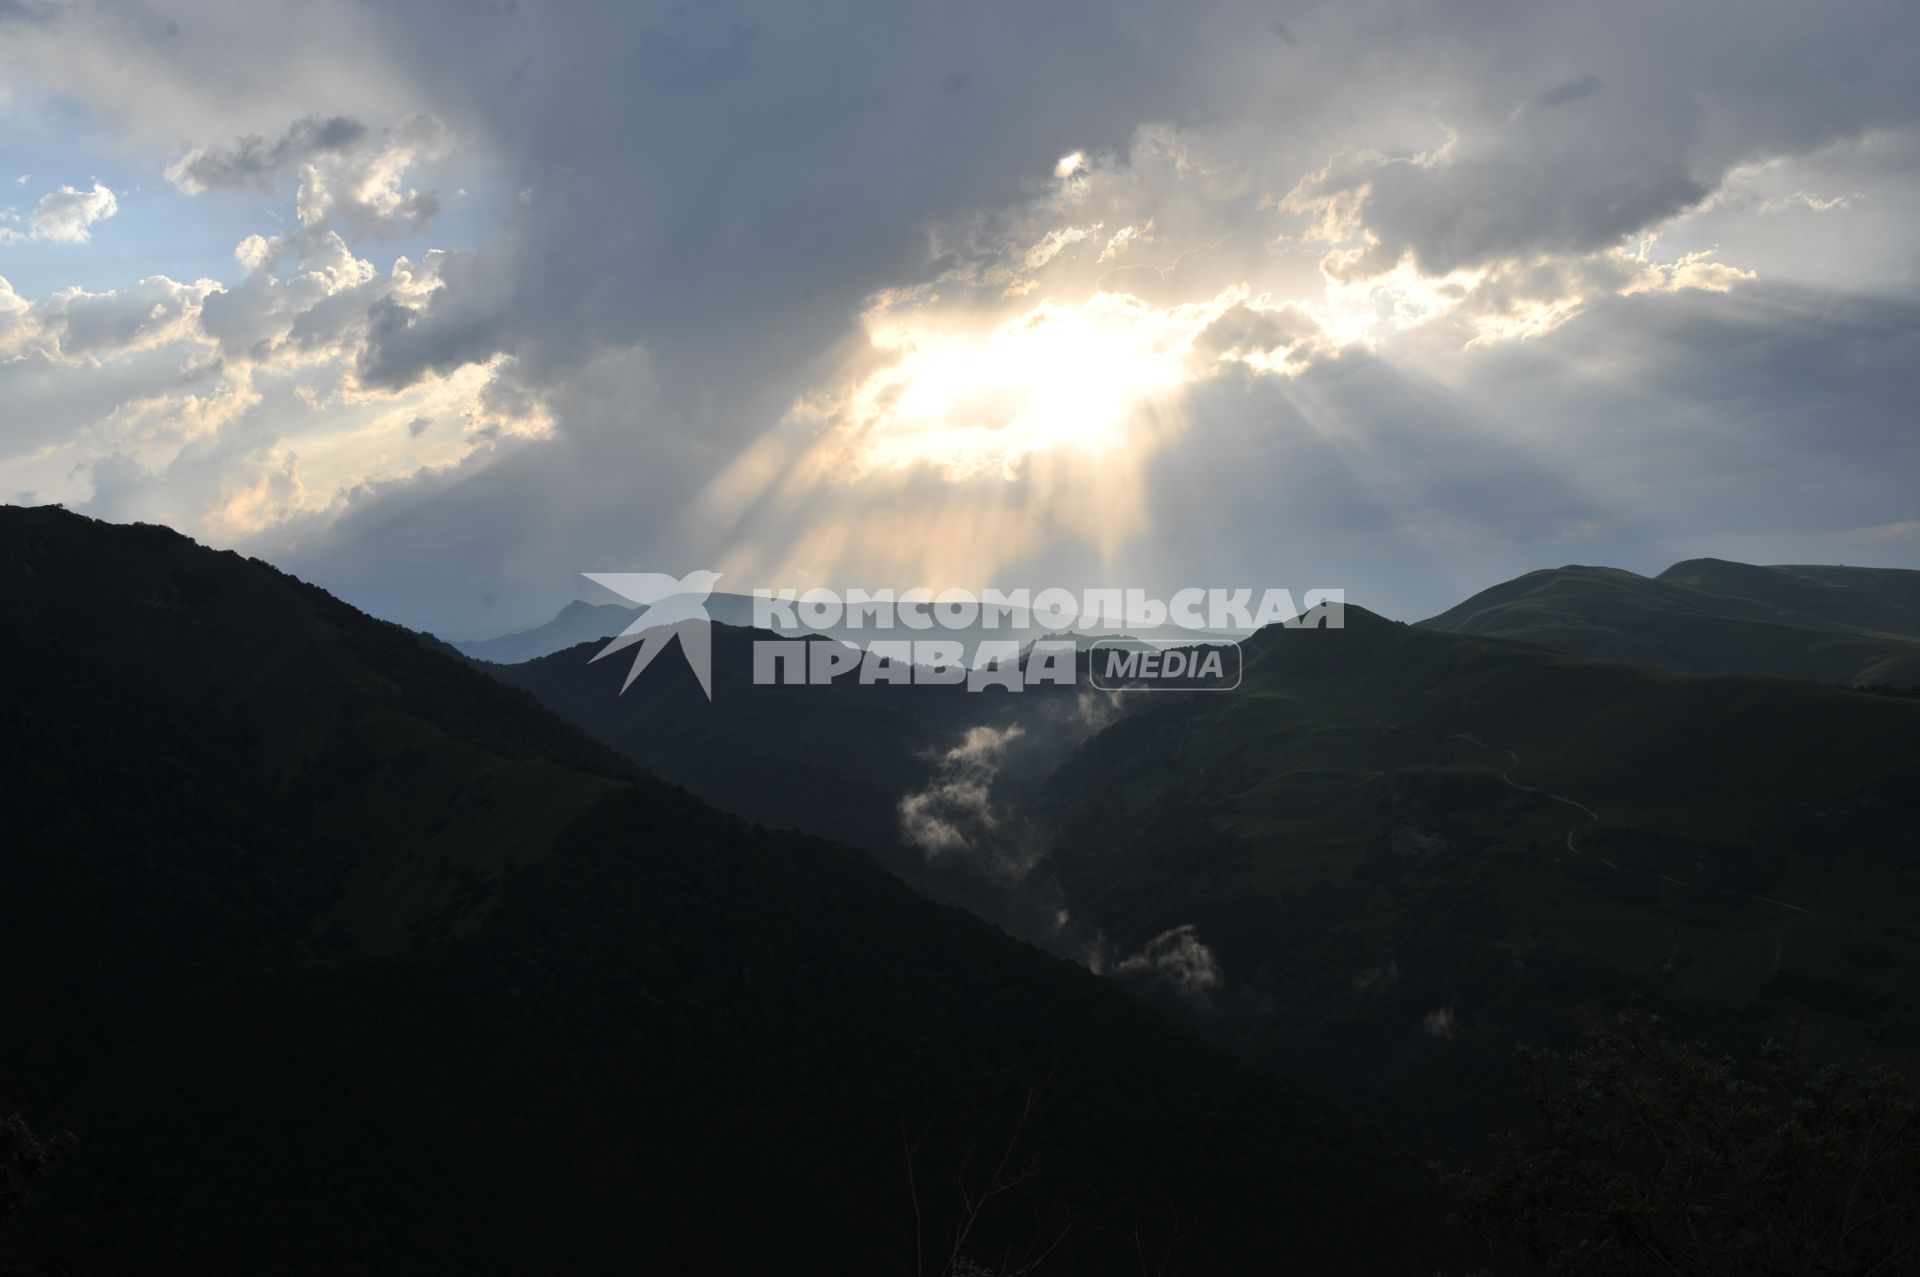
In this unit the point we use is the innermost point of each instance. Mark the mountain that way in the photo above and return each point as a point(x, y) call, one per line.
point(337, 956)
point(845, 759)
point(577, 622)
point(582, 622)
point(1405, 851)
point(832, 759)
point(1342, 872)
point(1883, 600)
point(1705, 616)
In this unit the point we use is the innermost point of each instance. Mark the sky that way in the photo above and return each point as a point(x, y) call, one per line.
point(440, 305)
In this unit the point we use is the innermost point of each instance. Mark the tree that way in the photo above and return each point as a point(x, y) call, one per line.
point(1654, 1156)
point(981, 1181)
point(25, 1157)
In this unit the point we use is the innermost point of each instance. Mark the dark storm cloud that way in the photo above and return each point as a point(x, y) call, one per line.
point(732, 181)
point(726, 180)
point(1688, 96)
point(724, 186)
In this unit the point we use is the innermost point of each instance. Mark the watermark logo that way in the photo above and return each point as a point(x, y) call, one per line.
point(1139, 665)
point(1124, 640)
point(676, 607)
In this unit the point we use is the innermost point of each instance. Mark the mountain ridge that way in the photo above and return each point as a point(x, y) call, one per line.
point(1713, 617)
point(336, 955)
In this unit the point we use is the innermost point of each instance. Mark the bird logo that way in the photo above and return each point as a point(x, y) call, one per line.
point(674, 607)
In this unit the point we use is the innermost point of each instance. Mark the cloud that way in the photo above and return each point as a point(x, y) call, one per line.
point(361, 188)
point(1178, 957)
point(434, 330)
point(80, 326)
point(955, 812)
point(1466, 210)
point(66, 216)
point(1262, 336)
point(258, 163)
point(1571, 91)
point(227, 411)
point(16, 319)
point(350, 178)
point(1809, 200)
point(200, 70)
point(1126, 238)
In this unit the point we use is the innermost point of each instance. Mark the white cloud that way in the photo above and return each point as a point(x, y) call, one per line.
point(65, 216)
point(955, 812)
point(1177, 956)
point(1125, 238)
point(350, 177)
point(16, 319)
point(225, 411)
point(1809, 200)
point(1054, 242)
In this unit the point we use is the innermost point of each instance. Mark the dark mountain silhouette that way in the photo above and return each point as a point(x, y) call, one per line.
point(1408, 850)
point(1706, 616)
point(832, 759)
point(835, 760)
point(335, 955)
point(582, 622)
point(1883, 600)
point(577, 622)
point(1370, 841)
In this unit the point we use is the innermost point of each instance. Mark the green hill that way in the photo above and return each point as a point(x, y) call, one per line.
point(1407, 850)
point(1351, 841)
point(1884, 600)
point(1832, 625)
point(338, 957)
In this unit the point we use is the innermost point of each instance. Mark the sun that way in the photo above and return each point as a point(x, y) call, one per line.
point(976, 400)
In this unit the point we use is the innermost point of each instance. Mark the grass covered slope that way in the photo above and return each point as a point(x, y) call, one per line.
point(1705, 616)
point(1882, 600)
point(1408, 850)
point(833, 759)
point(338, 957)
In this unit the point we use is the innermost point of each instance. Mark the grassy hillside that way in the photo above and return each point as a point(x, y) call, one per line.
point(1407, 850)
point(835, 760)
point(1832, 625)
point(1885, 600)
point(832, 759)
point(337, 957)
point(1371, 841)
